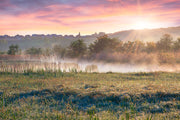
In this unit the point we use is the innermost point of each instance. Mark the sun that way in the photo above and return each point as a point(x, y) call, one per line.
point(144, 24)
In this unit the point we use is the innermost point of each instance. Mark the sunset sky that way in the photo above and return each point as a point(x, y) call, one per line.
point(85, 16)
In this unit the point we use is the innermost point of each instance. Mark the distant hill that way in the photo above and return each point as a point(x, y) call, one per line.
point(48, 41)
point(146, 34)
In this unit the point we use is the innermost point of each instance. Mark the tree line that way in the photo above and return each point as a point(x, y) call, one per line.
point(104, 44)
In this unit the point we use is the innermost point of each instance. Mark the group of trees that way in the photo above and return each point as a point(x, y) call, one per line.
point(104, 44)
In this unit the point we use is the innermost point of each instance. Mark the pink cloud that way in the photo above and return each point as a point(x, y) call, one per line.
point(111, 14)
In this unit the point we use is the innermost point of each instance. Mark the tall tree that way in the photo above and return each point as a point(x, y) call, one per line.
point(150, 47)
point(77, 48)
point(128, 47)
point(176, 45)
point(103, 43)
point(59, 51)
point(138, 46)
point(165, 43)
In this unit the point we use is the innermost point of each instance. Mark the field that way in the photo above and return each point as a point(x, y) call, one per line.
point(92, 96)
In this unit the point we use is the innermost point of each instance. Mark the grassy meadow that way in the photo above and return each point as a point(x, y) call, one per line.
point(90, 60)
point(89, 96)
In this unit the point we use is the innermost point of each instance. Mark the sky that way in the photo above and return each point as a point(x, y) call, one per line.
point(85, 16)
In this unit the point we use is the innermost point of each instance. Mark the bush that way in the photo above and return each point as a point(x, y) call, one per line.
point(13, 49)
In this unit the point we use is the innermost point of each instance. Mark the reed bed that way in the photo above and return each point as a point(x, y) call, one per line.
point(43, 66)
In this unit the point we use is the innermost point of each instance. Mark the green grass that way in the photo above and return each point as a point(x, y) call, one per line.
point(91, 96)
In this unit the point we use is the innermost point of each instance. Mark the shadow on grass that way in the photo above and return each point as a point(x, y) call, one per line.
point(139, 103)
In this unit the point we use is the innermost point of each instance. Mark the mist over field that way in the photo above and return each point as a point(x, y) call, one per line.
point(67, 64)
point(104, 67)
point(150, 65)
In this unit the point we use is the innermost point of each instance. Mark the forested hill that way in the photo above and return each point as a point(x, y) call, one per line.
point(48, 41)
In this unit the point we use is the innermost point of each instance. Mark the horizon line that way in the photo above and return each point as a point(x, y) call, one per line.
point(91, 33)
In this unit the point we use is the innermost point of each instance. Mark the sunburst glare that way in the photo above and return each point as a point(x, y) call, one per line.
point(145, 24)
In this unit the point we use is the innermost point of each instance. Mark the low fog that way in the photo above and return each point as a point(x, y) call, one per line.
point(104, 67)
point(55, 63)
